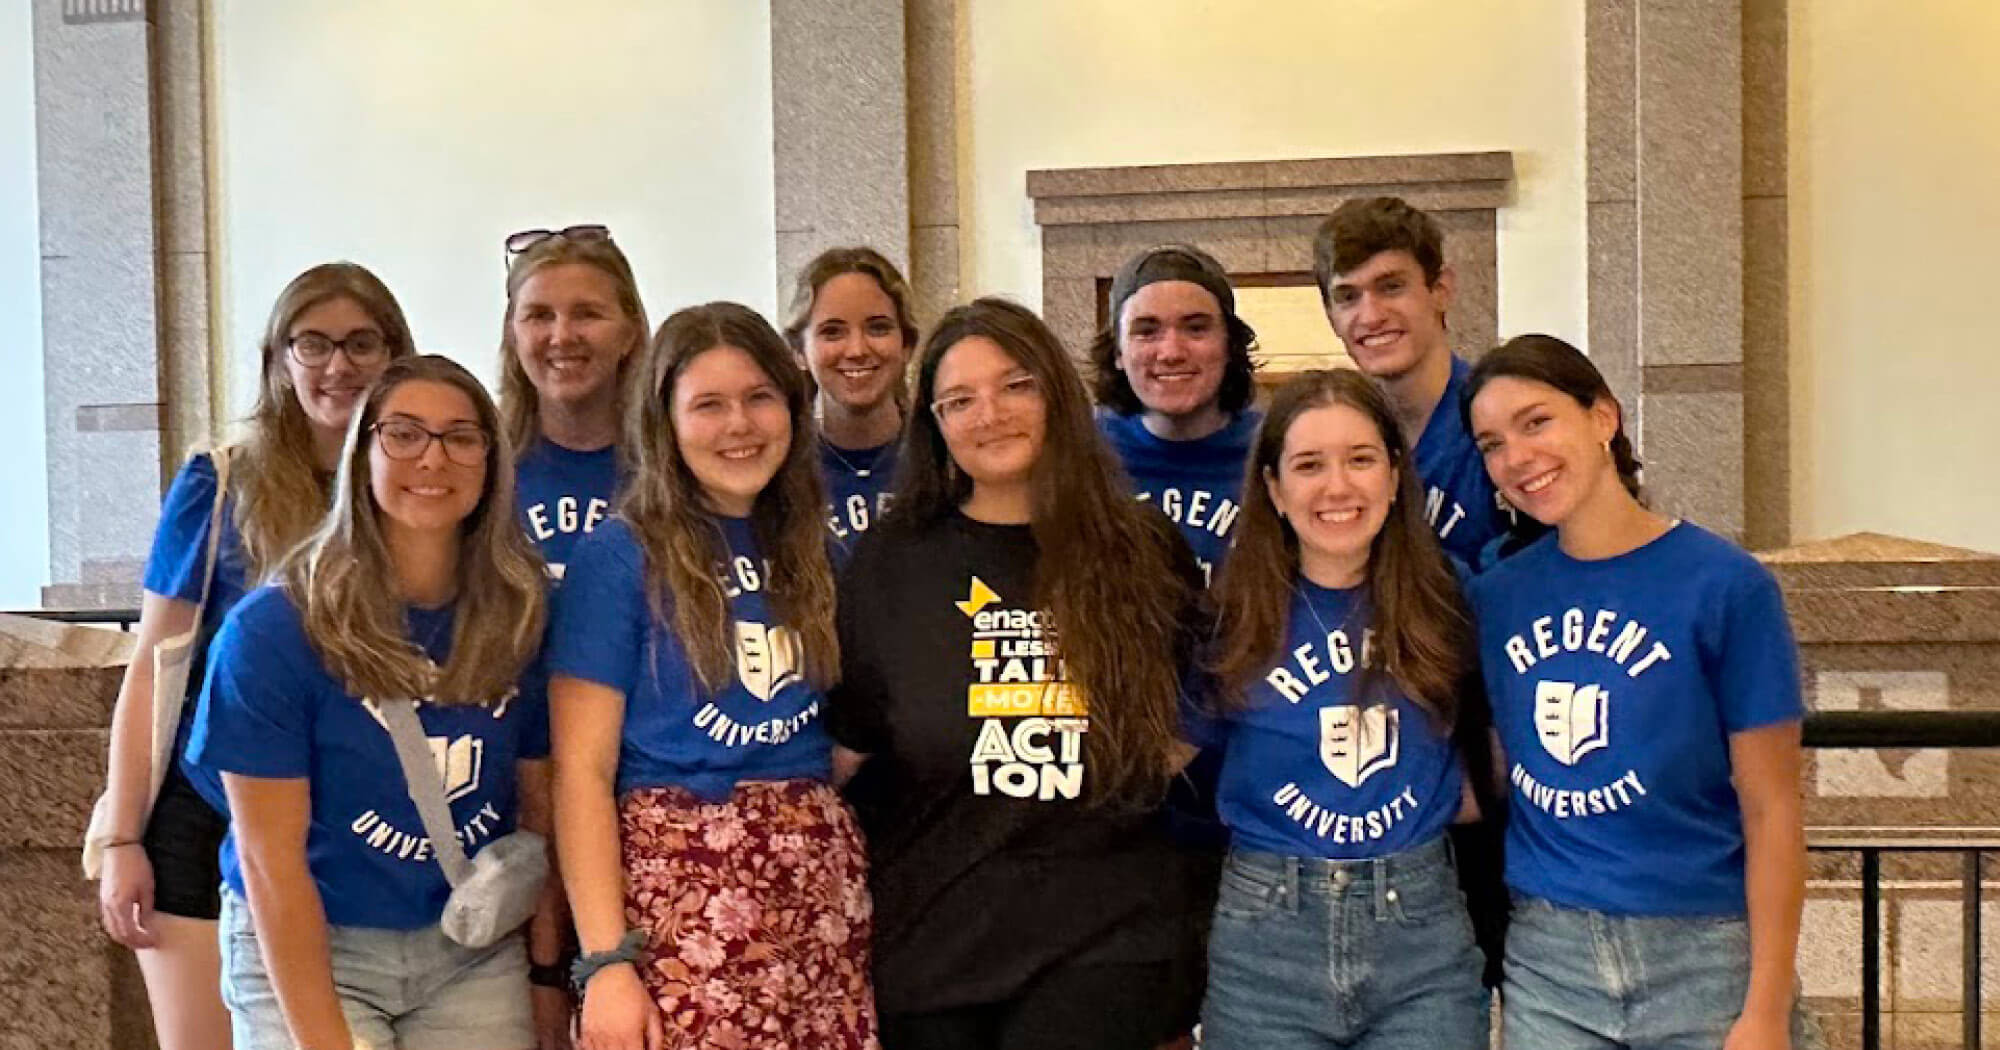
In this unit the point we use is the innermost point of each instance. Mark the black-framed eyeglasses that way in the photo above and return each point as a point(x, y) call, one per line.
point(364, 347)
point(402, 439)
point(523, 240)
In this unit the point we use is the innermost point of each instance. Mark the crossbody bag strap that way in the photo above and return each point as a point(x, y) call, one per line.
point(220, 458)
point(420, 774)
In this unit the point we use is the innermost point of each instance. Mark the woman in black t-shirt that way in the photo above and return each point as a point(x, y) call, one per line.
point(1012, 639)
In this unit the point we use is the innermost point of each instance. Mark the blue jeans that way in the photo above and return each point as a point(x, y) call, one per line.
point(1370, 955)
point(399, 989)
point(1585, 980)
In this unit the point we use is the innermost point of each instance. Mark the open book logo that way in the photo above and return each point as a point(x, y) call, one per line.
point(1570, 719)
point(767, 658)
point(1356, 743)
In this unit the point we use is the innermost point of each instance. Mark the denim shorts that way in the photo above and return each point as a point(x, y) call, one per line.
point(1371, 954)
point(1585, 980)
point(407, 989)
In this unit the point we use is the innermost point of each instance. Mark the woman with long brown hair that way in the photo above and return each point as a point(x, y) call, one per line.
point(574, 331)
point(1343, 656)
point(416, 598)
point(330, 333)
point(1646, 690)
point(716, 877)
point(1010, 638)
point(853, 331)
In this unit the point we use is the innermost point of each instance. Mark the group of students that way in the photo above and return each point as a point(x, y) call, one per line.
point(868, 707)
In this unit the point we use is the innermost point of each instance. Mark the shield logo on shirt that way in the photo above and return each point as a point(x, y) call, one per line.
point(1355, 743)
point(767, 658)
point(1570, 719)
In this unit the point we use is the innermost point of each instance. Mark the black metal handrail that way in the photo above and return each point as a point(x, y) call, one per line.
point(123, 618)
point(1910, 729)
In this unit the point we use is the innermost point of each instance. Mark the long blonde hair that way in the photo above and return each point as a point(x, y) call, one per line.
point(358, 626)
point(280, 489)
point(520, 404)
point(683, 546)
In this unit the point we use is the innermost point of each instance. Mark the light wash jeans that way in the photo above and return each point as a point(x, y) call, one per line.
point(1368, 955)
point(1585, 980)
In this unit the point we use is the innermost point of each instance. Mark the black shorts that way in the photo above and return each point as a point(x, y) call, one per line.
point(184, 841)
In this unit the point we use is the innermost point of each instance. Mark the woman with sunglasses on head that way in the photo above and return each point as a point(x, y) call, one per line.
point(417, 586)
point(574, 330)
point(716, 877)
point(852, 329)
point(331, 332)
point(1344, 664)
point(1645, 685)
point(1011, 639)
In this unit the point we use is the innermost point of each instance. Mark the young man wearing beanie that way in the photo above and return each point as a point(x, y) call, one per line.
point(1171, 372)
point(1382, 278)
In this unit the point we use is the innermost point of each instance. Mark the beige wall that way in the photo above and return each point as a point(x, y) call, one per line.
point(1894, 213)
point(1086, 83)
point(412, 137)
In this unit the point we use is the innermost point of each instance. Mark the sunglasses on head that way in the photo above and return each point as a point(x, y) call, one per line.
point(523, 240)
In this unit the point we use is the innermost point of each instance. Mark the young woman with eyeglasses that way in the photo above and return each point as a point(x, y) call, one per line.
point(416, 586)
point(852, 330)
point(1347, 702)
point(1012, 639)
point(574, 329)
point(331, 332)
point(1645, 685)
point(716, 877)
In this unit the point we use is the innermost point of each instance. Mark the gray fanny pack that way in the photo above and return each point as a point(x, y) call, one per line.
point(493, 893)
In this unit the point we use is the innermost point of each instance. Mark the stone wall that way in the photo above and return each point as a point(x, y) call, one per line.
point(62, 982)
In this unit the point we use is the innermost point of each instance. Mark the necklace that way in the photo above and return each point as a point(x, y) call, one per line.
point(852, 467)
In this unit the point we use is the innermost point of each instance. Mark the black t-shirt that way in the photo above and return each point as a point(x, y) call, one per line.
point(986, 863)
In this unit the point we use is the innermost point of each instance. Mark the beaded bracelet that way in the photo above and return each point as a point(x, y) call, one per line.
point(586, 965)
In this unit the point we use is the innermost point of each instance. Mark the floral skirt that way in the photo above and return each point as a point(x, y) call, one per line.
point(756, 914)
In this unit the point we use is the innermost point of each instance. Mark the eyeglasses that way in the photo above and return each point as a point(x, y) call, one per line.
point(1015, 393)
point(517, 243)
point(313, 349)
point(402, 439)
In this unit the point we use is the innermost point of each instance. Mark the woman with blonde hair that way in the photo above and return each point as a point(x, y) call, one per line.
point(331, 332)
point(574, 330)
point(716, 878)
point(416, 599)
point(1012, 640)
point(852, 329)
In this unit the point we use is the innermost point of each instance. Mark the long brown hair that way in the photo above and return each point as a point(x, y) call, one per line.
point(1423, 633)
point(281, 491)
point(870, 263)
point(1119, 632)
point(520, 404)
point(683, 544)
point(358, 626)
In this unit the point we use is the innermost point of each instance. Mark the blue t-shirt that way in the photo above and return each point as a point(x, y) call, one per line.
point(1459, 498)
point(270, 709)
point(563, 494)
point(1615, 686)
point(858, 484)
point(1309, 768)
point(1196, 484)
point(174, 568)
point(764, 726)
